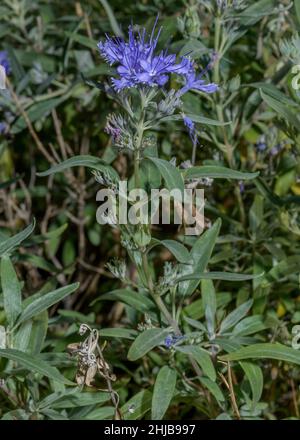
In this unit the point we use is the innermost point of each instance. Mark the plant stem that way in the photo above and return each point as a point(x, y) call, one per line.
point(217, 46)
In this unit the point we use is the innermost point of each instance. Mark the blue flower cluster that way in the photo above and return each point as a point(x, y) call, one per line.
point(138, 63)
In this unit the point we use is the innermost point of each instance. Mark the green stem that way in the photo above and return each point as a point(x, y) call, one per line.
point(217, 47)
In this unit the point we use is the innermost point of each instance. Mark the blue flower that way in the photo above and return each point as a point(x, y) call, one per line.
point(170, 340)
point(3, 127)
point(194, 82)
point(191, 128)
point(261, 144)
point(4, 61)
point(138, 63)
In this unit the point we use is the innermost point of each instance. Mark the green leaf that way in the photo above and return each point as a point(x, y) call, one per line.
point(297, 10)
point(171, 174)
point(265, 351)
point(249, 325)
point(209, 302)
point(201, 253)
point(163, 392)
point(281, 109)
point(255, 376)
point(236, 316)
point(271, 90)
point(288, 266)
point(202, 357)
point(206, 121)
point(33, 364)
point(137, 406)
point(146, 341)
point(256, 213)
point(213, 388)
point(11, 289)
point(256, 11)
point(179, 251)
point(266, 192)
point(81, 39)
point(217, 172)
point(46, 301)
point(225, 276)
point(196, 118)
point(10, 243)
point(102, 413)
point(22, 337)
point(38, 333)
point(137, 300)
point(81, 161)
point(112, 19)
point(196, 309)
point(78, 399)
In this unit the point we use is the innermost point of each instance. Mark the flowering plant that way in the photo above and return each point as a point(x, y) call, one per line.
point(172, 323)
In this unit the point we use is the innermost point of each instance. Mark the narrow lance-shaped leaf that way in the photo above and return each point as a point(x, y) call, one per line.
point(256, 380)
point(81, 161)
point(217, 172)
point(163, 392)
point(137, 406)
point(11, 289)
point(179, 251)
point(171, 175)
point(265, 351)
point(202, 357)
point(235, 316)
point(200, 254)
point(33, 364)
point(225, 276)
point(209, 301)
point(46, 301)
point(146, 341)
point(7, 245)
point(134, 299)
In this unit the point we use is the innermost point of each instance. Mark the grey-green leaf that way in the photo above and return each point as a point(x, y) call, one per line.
point(7, 245)
point(33, 364)
point(163, 392)
point(171, 174)
point(217, 172)
point(146, 341)
point(201, 356)
point(201, 253)
point(46, 301)
point(179, 251)
point(235, 316)
point(265, 351)
point(209, 302)
point(81, 161)
point(225, 276)
point(213, 387)
point(137, 406)
point(255, 376)
point(11, 289)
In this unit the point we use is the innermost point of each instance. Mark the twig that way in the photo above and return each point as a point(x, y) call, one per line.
point(31, 129)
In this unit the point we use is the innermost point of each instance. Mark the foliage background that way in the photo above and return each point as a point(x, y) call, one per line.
point(54, 109)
